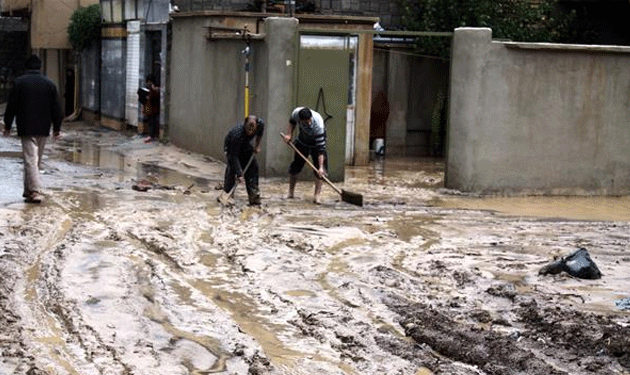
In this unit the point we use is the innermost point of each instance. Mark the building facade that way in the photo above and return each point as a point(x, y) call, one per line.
point(134, 44)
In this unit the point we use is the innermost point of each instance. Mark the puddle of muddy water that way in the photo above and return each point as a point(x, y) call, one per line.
point(428, 173)
point(571, 208)
point(170, 177)
point(102, 156)
point(11, 182)
point(410, 172)
point(94, 155)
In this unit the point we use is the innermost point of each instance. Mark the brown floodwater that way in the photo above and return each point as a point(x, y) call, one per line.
point(429, 173)
point(569, 208)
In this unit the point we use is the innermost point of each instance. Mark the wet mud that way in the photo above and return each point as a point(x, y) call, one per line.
point(105, 279)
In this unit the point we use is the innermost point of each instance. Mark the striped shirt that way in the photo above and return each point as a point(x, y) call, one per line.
point(313, 135)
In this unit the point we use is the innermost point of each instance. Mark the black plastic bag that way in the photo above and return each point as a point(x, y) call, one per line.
point(579, 264)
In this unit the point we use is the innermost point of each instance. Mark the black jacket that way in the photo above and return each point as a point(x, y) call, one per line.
point(237, 145)
point(34, 103)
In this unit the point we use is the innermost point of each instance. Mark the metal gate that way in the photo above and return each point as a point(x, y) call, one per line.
point(326, 75)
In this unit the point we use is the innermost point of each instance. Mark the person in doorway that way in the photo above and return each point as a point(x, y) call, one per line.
point(238, 151)
point(311, 141)
point(151, 109)
point(35, 106)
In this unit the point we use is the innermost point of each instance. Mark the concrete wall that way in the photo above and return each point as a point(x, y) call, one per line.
point(207, 80)
point(207, 84)
point(538, 117)
point(49, 22)
point(281, 65)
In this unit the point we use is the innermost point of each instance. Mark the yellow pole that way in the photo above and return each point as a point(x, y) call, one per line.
point(246, 95)
point(247, 51)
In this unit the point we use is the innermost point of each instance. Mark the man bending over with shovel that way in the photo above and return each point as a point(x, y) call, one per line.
point(311, 140)
point(241, 165)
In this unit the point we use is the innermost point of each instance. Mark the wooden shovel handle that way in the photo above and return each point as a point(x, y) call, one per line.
point(310, 164)
point(249, 162)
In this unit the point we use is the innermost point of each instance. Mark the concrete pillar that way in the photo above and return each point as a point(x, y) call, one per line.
point(281, 38)
point(364, 100)
point(470, 47)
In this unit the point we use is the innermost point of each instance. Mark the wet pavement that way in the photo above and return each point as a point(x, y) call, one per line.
point(104, 279)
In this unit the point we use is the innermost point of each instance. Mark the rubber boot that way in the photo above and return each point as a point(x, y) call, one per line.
point(254, 196)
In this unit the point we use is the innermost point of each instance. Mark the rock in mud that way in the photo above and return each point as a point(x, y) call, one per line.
point(579, 264)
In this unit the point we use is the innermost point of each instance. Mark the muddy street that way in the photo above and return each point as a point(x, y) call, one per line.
point(105, 279)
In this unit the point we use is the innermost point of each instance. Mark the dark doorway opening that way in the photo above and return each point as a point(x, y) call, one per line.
point(153, 53)
point(69, 91)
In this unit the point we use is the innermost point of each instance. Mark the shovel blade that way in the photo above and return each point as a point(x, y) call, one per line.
point(225, 199)
point(352, 198)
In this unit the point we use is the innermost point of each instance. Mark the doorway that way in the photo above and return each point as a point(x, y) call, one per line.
point(152, 57)
point(326, 84)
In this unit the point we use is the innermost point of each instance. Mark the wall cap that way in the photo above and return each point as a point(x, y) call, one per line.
point(565, 47)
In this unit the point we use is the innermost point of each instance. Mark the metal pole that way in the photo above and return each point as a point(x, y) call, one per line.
point(247, 52)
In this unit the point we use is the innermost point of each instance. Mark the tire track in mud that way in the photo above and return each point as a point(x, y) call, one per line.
point(172, 249)
point(64, 340)
point(29, 241)
point(61, 336)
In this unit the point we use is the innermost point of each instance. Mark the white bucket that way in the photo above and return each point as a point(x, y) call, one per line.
point(379, 146)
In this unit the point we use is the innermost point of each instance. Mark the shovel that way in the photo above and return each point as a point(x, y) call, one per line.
point(224, 198)
point(346, 196)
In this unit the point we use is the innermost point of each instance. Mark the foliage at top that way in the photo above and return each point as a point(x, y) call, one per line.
point(85, 27)
point(515, 20)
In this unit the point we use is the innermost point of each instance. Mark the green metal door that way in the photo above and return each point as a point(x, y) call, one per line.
point(323, 85)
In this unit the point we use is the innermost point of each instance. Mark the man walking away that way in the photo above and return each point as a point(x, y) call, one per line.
point(34, 104)
point(238, 150)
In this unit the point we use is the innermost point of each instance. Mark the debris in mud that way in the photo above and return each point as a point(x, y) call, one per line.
point(188, 189)
point(504, 290)
point(259, 364)
point(579, 264)
point(623, 304)
point(144, 185)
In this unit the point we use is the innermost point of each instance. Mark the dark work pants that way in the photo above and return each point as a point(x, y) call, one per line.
point(251, 177)
point(298, 162)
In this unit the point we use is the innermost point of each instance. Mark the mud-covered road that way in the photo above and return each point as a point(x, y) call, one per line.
point(105, 279)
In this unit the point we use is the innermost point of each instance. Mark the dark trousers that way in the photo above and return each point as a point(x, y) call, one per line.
point(298, 162)
point(153, 122)
point(251, 177)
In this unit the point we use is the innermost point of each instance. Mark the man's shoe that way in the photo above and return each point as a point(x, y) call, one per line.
point(254, 201)
point(34, 197)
